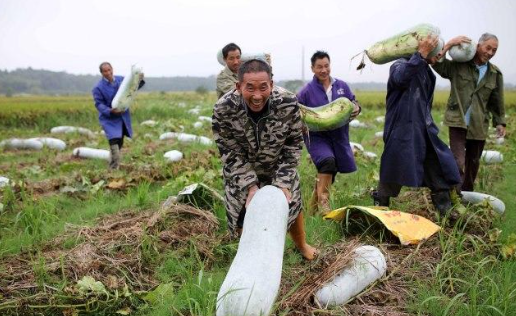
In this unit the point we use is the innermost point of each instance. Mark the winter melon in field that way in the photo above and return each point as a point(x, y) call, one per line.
point(186, 138)
point(91, 153)
point(18, 143)
point(368, 265)
point(477, 197)
point(491, 156)
point(128, 89)
point(50, 142)
point(71, 129)
point(252, 283)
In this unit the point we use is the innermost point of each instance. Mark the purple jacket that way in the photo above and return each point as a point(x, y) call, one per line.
point(113, 124)
point(334, 143)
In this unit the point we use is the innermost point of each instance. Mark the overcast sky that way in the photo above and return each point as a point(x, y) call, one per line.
point(182, 37)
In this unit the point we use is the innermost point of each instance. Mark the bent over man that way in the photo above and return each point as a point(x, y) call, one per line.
point(257, 129)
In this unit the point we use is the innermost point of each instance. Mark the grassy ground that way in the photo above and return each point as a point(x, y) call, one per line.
point(54, 194)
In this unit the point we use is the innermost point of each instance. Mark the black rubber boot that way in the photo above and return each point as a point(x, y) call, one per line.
point(114, 162)
point(380, 200)
point(442, 202)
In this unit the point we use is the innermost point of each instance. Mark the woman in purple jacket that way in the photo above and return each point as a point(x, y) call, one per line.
point(116, 123)
point(329, 150)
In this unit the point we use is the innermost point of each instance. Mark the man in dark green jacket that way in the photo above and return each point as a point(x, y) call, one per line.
point(476, 95)
point(227, 78)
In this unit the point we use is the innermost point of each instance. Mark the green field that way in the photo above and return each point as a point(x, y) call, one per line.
point(64, 218)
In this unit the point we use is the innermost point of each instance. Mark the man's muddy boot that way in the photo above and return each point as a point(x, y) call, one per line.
point(380, 200)
point(442, 202)
point(114, 162)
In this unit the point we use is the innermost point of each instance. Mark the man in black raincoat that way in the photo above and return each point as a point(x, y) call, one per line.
point(414, 155)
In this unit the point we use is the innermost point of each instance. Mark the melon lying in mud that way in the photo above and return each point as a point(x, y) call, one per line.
point(4, 181)
point(71, 129)
point(253, 280)
point(126, 94)
point(173, 155)
point(197, 124)
point(327, 117)
point(50, 142)
point(91, 153)
point(18, 143)
point(476, 197)
point(357, 124)
point(205, 119)
point(491, 156)
point(186, 138)
point(368, 265)
point(149, 123)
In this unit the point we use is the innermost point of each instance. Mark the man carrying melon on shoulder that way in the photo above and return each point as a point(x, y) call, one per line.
point(476, 94)
point(413, 154)
point(330, 150)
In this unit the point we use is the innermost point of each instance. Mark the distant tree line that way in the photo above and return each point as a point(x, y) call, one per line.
point(34, 81)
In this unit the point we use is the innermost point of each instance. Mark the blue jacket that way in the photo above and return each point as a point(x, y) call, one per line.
point(113, 124)
point(334, 143)
point(408, 125)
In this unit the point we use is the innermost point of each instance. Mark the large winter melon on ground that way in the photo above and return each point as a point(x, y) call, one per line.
point(367, 266)
point(253, 280)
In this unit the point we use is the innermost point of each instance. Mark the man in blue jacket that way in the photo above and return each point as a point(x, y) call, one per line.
point(116, 123)
point(414, 155)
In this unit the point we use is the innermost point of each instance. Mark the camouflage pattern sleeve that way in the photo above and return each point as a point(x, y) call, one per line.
point(237, 169)
point(291, 151)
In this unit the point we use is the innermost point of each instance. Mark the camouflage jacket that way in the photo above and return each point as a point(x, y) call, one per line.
point(484, 98)
point(226, 81)
point(265, 152)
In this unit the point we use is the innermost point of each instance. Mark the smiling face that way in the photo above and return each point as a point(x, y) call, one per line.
point(322, 69)
point(255, 88)
point(485, 51)
point(107, 72)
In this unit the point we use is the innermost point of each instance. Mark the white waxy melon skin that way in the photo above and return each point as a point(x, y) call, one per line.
point(252, 283)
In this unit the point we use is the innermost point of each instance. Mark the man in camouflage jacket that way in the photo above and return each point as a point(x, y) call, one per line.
point(476, 94)
point(257, 128)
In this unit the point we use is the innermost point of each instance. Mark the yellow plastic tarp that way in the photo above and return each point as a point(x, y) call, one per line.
point(409, 228)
